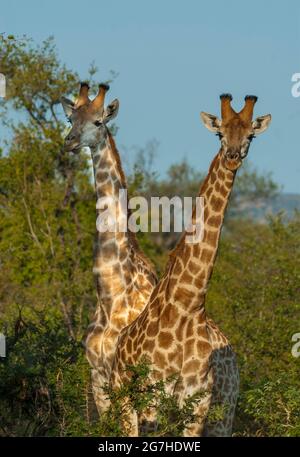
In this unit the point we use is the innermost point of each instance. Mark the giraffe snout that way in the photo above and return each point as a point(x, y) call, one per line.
point(233, 154)
point(71, 143)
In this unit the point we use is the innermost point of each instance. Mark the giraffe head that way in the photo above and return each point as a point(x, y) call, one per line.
point(236, 130)
point(88, 118)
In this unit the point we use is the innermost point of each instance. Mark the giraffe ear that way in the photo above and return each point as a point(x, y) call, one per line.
point(68, 106)
point(111, 111)
point(211, 122)
point(261, 124)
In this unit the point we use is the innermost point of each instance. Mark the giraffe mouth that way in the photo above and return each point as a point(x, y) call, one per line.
point(72, 148)
point(233, 164)
point(77, 149)
point(232, 159)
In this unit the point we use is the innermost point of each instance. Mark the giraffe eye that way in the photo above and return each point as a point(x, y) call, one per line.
point(220, 135)
point(97, 123)
point(250, 137)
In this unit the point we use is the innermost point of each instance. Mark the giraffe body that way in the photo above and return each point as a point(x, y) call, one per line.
point(173, 332)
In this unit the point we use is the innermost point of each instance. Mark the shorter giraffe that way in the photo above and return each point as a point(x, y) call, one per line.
point(124, 277)
point(173, 332)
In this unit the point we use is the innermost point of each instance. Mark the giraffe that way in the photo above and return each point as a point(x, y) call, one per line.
point(124, 277)
point(173, 332)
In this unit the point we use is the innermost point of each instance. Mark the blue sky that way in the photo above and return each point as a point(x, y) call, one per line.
point(174, 58)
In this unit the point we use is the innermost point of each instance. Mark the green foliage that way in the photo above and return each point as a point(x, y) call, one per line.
point(47, 213)
point(254, 297)
point(43, 381)
point(274, 405)
point(143, 396)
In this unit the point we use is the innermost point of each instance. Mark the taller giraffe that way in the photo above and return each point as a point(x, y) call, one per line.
point(124, 277)
point(173, 332)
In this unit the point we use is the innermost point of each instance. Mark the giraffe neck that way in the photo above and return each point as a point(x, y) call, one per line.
point(191, 264)
point(108, 174)
point(112, 248)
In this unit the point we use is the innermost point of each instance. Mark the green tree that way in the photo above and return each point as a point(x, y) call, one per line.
point(254, 297)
